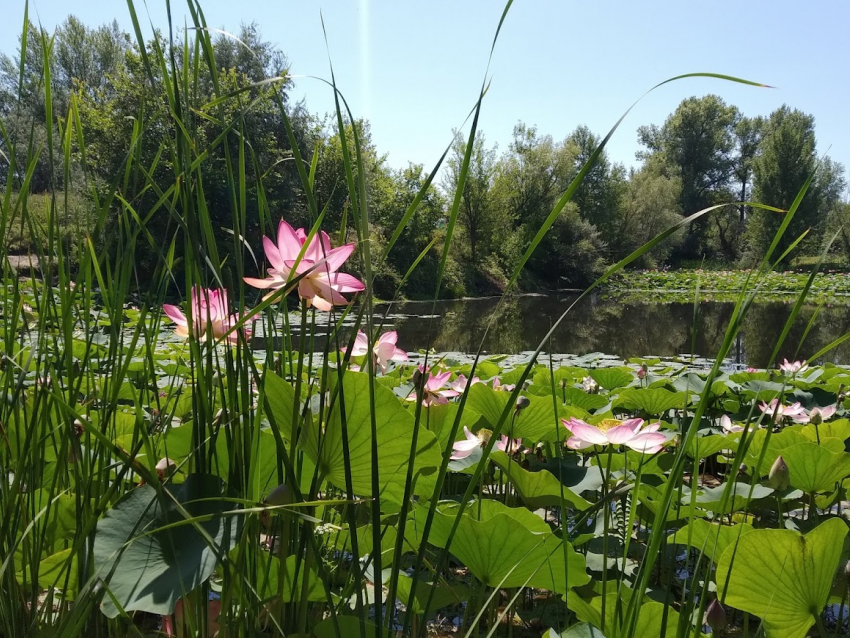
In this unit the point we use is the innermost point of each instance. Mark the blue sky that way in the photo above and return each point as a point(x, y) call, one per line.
point(415, 68)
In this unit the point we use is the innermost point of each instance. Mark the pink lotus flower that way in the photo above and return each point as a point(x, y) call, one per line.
point(497, 385)
point(461, 382)
point(321, 284)
point(462, 449)
point(630, 433)
point(794, 412)
point(210, 316)
point(509, 446)
point(793, 368)
point(728, 426)
point(751, 369)
point(384, 350)
point(435, 390)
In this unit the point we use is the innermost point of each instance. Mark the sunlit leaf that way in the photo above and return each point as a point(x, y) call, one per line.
point(782, 576)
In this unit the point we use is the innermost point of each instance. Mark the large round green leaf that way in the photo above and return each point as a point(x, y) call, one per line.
point(442, 596)
point(148, 568)
point(702, 447)
point(652, 401)
point(281, 398)
point(709, 538)
point(654, 619)
point(813, 468)
point(536, 422)
point(611, 378)
point(782, 576)
point(838, 429)
point(501, 551)
point(394, 427)
point(739, 498)
point(581, 399)
point(537, 489)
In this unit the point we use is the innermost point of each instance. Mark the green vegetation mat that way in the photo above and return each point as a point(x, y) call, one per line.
point(663, 286)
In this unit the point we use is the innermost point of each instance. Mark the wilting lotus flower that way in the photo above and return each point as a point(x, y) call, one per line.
point(462, 449)
point(794, 412)
point(210, 316)
point(321, 284)
point(461, 382)
point(435, 390)
point(728, 426)
point(384, 350)
point(630, 433)
point(509, 446)
point(793, 368)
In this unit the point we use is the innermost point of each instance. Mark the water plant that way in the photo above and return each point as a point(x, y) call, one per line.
point(180, 482)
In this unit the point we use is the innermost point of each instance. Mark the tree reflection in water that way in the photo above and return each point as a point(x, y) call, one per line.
point(626, 330)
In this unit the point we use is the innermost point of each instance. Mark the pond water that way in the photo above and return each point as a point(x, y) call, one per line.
point(600, 324)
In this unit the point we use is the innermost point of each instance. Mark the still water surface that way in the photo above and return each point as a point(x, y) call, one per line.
point(598, 324)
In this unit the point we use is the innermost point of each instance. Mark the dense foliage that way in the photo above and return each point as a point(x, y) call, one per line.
point(707, 152)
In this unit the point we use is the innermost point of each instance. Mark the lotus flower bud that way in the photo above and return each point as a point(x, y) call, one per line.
point(815, 416)
point(778, 476)
point(522, 403)
point(416, 379)
point(641, 374)
point(715, 616)
point(281, 495)
point(165, 468)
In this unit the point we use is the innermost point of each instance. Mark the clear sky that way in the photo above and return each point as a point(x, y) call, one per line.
point(414, 68)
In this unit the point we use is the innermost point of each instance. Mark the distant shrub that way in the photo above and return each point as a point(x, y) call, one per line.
point(27, 229)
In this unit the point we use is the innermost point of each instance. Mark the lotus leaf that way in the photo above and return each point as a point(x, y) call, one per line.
point(814, 468)
point(147, 565)
point(783, 576)
point(394, 426)
point(501, 551)
point(709, 538)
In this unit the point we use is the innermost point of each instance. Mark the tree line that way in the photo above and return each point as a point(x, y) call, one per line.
point(705, 153)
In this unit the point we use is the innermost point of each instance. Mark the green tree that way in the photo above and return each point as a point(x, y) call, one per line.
point(420, 230)
point(786, 160)
point(477, 214)
point(650, 206)
point(530, 177)
point(598, 198)
point(697, 145)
